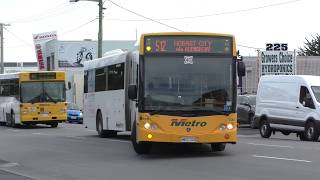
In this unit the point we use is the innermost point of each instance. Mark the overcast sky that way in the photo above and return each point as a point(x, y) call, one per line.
point(253, 22)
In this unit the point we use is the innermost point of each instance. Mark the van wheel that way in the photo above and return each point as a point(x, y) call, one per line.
point(302, 136)
point(141, 147)
point(103, 133)
point(265, 130)
point(311, 132)
point(218, 147)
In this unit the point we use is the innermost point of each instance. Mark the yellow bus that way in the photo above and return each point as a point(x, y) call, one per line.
point(186, 92)
point(30, 98)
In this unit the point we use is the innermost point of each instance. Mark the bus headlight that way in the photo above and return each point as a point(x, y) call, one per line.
point(222, 127)
point(229, 126)
point(147, 125)
point(150, 126)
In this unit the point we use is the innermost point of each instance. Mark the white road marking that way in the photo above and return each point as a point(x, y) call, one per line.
point(91, 130)
point(39, 133)
point(116, 140)
point(14, 130)
point(279, 158)
point(9, 165)
point(271, 145)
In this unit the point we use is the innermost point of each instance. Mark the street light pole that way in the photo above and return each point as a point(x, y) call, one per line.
point(100, 35)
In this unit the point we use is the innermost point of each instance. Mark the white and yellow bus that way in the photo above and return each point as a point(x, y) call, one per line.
point(179, 87)
point(29, 98)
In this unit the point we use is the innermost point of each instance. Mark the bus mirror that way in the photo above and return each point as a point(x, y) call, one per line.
point(132, 92)
point(69, 85)
point(241, 69)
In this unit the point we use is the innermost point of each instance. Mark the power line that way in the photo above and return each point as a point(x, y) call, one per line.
point(215, 14)
point(169, 25)
point(17, 37)
point(41, 15)
point(156, 21)
point(250, 47)
point(78, 27)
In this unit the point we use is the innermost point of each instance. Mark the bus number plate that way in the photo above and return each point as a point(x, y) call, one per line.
point(189, 139)
point(44, 113)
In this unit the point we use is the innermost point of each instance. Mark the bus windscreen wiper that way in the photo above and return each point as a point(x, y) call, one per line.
point(51, 99)
point(198, 109)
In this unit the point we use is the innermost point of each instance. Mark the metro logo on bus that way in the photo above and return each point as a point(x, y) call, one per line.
point(185, 123)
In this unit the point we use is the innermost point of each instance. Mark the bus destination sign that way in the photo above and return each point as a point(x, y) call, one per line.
point(188, 44)
point(42, 76)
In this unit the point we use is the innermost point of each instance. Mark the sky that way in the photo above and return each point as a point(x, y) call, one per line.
point(253, 22)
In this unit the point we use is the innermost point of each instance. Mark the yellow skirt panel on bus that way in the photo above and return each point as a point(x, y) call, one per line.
point(177, 129)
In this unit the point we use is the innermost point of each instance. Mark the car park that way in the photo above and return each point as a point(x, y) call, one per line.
point(74, 114)
point(289, 104)
point(245, 109)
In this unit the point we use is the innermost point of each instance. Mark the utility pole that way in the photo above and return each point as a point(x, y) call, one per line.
point(100, 35)
point(1, 47)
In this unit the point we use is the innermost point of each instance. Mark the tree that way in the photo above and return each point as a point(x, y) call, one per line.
point(311, 47)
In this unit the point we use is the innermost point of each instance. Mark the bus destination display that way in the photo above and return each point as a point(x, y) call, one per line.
point(187, 44)
point(42, 76)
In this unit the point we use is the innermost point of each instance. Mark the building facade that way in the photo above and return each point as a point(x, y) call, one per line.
point(305, 65)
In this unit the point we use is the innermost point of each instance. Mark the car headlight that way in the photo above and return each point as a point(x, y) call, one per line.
point(80, 114)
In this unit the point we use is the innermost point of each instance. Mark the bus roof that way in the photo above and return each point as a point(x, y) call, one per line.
point(110, 59)
point(16, 75)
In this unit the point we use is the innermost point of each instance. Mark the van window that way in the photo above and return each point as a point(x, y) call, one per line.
point(305, 97)
point(316, 92)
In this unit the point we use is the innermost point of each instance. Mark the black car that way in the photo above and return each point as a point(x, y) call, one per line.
point(246, 105)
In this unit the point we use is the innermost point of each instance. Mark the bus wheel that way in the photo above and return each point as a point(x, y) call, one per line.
point(54, 124)
point(103, 133)
point(215, 147)
point(139, 148)
point(265, 130)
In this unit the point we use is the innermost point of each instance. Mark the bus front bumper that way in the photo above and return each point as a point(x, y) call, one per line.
point(216, 136)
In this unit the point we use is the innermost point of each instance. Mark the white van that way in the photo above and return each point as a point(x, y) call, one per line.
point(289, 104)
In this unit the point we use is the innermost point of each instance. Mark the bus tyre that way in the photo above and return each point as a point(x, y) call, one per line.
point(139, 148)
point(216, 147)
point(54, 124)
point(103, 133)
point(311, 132)
point(265, 129)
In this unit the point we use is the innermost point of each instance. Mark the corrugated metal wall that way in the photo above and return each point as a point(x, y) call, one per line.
point(306, 65)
